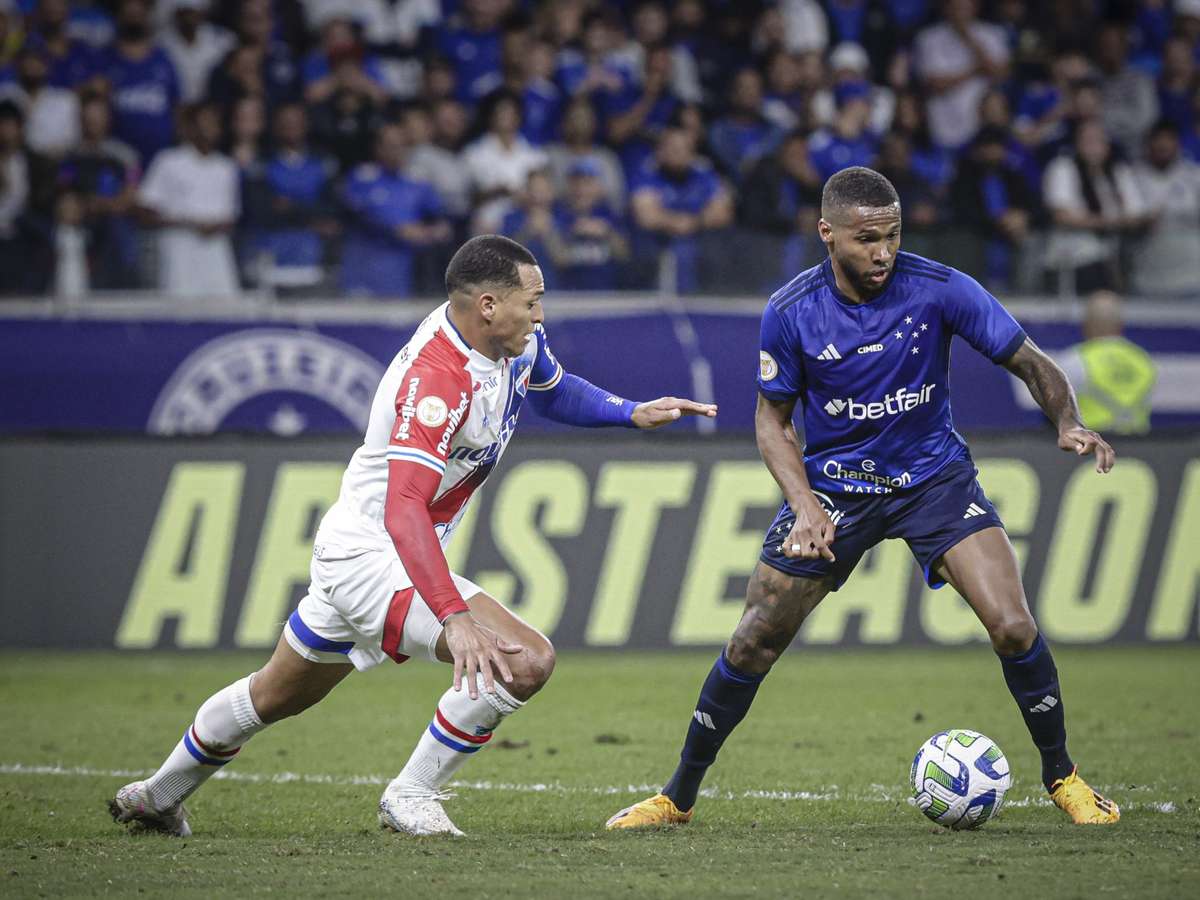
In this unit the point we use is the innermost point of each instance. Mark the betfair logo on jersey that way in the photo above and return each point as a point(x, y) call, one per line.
point(456, 415)
point(891, 405)
point(408, 409)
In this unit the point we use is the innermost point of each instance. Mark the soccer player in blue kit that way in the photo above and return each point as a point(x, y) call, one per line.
point(863, 341)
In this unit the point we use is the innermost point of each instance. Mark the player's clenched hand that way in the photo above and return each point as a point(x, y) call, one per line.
point(666, 410)
point(476, 648)
point(1084, 441)
point(811, 535)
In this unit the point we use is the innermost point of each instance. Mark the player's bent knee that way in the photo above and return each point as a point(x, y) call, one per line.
point(531, 669)
point(1013, 635)
point(753, 652)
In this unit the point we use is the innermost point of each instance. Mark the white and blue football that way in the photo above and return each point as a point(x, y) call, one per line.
point(959, 778)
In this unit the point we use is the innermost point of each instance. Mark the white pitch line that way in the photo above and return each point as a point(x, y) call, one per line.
point(880, 793)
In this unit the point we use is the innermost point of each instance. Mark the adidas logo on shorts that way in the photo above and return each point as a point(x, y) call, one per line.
point(974, 510)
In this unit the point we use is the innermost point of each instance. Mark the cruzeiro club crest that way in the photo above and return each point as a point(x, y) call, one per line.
point(264, 378)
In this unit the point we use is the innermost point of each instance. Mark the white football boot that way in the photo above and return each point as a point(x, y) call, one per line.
point(133, 805)
point(408, 813)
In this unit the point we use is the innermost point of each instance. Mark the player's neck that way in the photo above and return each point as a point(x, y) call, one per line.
point(472, 335)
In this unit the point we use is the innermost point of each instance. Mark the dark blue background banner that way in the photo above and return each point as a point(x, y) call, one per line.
point(179, 377)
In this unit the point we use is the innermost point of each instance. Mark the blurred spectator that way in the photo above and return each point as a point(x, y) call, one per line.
point(342, 64)
point(849, 69)
point(579, 145)
point(1167, 261)
point(1177, 83)
point(792, 83)
point(247, 132)
point(933, 163)
point(435, 164)
point(1093, 198)
point(531, 221)
point(996, 113)
point(500, 161)
point(805, 26)
point(595, 67)
point(1151, 28)
point(70, 61)
point(470, 41)
point(101, 173)
point(782, 198)
point(1187, 20)
point(527, 69)
point(70, 247)
point(991, 199)
point(270, 67)
point(956, 60)
point(14, 199)
point(1130, 99)
point(290, 208)
point(143, 82)
point(590, 237)
point(743, 135)
point(677, 199)
point(1044, 107)
point(191, 195)
point(390, 218)
point(919, 197)
point(194, 44)
point(1113, 377)
point(849, 141)
point(651, 27)
point(51, 113)
point(638, 112)
point(717, 37)
point(344, 125)
point(871, 24)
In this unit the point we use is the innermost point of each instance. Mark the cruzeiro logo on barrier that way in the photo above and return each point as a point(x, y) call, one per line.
point(223, 374)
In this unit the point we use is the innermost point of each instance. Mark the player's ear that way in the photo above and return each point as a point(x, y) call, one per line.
point(487, 305)
point(825, 230)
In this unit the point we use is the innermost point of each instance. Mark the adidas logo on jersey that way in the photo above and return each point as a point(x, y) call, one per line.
point(829, 353)
point(1048, 703)
point(974, 510)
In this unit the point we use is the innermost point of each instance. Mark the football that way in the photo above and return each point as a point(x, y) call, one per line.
point(959, 778)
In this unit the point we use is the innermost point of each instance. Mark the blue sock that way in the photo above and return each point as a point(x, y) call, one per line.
point(1033, 681)
point(724, 701)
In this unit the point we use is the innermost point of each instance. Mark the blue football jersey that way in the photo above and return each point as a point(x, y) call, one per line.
point(873, 378)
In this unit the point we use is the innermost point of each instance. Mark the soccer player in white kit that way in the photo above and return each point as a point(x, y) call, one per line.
point(380, 585)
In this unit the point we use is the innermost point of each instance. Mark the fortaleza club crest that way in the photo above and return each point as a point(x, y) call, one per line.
point(265, 378)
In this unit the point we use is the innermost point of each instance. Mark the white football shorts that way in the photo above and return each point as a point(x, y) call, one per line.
point(361, 608)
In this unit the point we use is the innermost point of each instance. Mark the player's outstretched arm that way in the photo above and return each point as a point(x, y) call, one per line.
point(1051, 390)
point(812, 534)
point(665, 410)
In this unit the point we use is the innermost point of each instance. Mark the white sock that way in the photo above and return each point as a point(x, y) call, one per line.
point(460, 728)
point(224, 722)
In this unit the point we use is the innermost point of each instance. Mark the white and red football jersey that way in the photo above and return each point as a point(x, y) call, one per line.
point(443, 407)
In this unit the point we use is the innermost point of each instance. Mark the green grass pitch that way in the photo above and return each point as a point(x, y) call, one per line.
point(808, 798)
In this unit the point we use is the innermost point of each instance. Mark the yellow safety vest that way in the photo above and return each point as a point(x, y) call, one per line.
point(1115, 395)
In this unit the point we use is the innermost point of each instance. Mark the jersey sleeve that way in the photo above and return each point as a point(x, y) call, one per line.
point(970, 311)
point(547, 371)
point(780, 364)
point(431, 405)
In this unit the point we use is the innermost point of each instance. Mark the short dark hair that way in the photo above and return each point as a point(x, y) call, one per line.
point(487, 260)
point(854, 187)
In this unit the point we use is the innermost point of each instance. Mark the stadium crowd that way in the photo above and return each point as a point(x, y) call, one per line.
point(346, 146)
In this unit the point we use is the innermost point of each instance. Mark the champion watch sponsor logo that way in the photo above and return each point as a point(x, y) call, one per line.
point(974, 510)
point(891, 405)
point(704, 719)
point(1048, 703)
point(867, 480)
point(830, 352)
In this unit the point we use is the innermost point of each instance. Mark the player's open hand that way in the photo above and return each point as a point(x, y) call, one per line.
point(812, 533)
point(476, 648)
point(666, 410)
point(1084, 441)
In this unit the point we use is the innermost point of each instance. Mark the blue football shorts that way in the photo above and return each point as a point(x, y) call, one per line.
point(931, 518)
